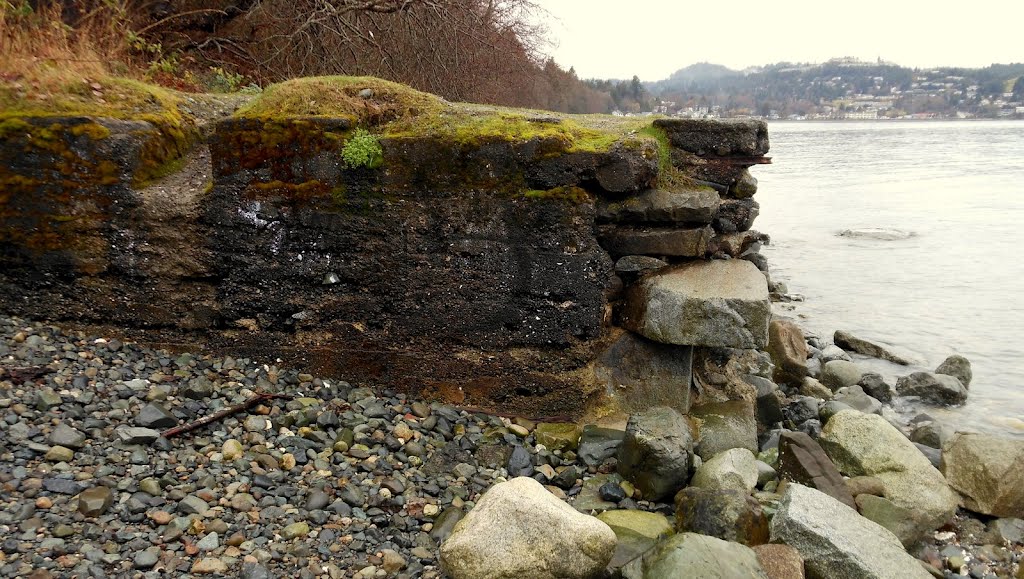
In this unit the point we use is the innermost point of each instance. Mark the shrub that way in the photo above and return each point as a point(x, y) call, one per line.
point(362, 150)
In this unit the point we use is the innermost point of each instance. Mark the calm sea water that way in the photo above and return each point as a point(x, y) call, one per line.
point(948, 278)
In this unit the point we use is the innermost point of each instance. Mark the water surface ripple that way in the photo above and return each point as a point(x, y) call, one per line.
point(949, 279)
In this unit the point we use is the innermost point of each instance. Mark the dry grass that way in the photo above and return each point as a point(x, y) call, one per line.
point(48, 65)
point(37, 47)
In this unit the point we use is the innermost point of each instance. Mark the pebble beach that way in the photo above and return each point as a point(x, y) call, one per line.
point(326, 480)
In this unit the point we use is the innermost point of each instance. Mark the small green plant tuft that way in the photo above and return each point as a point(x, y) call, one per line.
point(362, 150)
point(225, 81)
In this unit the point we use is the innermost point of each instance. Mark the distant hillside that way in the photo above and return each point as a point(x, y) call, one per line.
point(843, 88)
point(700, 72)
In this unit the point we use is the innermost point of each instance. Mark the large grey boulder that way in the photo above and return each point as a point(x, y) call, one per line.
point(837, 542)
point(681, 205)
point(733, 469)
point(958, 367)
point(866, 444)
point(639, 373)
point(519, 529)
point(987, 471)
point(694, 555)
point(655, 452)
point(941, 389)
point(725, 425)
point(705, 303)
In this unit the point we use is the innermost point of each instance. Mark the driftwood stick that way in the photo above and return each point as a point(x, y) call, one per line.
point(221, 414)
point(19, 376)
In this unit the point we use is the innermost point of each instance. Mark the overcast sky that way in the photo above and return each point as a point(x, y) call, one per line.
point(653, 38)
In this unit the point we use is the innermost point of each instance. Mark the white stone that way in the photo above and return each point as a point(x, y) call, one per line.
point(733, 469)
point(518, 529)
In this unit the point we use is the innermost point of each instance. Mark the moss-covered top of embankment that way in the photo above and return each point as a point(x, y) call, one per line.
point(55, 96)
point(109, 97)
point(397, 111)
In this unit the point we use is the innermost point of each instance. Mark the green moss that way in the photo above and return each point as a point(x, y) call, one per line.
point(339, 97)
point(121, 98)
point(11, 127)
point(168, 168)
point(664, 146)
point(94, 131)
point(573, 194)
point(402, 112)
point(295, 191)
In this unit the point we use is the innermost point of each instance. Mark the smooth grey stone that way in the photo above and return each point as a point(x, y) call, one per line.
point(68, 437)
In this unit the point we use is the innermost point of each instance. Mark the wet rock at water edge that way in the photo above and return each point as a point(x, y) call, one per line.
point(802, 460)
point(866, 444)
point(838, 374)
point(851, 343)
point(958, 367)
point(940, 389)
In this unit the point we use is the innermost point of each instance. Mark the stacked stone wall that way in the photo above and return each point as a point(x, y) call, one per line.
point(507, 275)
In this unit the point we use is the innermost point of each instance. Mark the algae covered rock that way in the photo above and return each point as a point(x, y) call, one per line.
point(866, 444)
point(728, 514)
point(636, 532)
point(695, 555)
point(519, 529)
point(558, 435)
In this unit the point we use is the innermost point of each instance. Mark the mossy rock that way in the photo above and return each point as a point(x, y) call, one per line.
point(397, 111)
point(120, 99)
